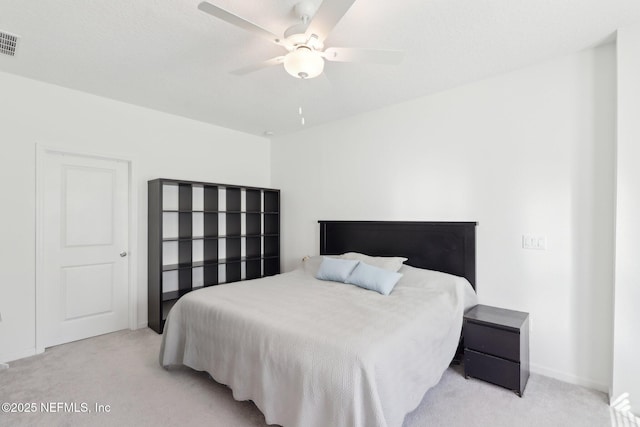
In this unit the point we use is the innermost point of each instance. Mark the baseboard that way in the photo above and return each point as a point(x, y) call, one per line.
point(569, 378)
point(10, 357)
point(142, 325)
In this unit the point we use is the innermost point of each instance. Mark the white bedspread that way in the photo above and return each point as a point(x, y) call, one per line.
point(311, 353)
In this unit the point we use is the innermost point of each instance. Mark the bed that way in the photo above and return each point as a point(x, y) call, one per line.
point(313, 353)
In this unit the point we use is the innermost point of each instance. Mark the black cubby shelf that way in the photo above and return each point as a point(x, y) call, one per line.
point(239, 236)
point(203, 234)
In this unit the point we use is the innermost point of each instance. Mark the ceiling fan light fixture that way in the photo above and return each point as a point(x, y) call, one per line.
point(304, 63)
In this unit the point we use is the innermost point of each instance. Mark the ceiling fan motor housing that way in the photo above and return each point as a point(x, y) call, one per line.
point(304, 62)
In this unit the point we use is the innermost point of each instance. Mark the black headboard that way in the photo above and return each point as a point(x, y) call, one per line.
point(449, 247)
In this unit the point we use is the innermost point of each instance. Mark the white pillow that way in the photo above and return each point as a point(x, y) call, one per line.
point(387, 263)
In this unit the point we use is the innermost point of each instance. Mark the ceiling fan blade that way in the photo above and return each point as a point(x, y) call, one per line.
point(255, 67)
point(375, 56)
point(238, 22)
point(328, 15)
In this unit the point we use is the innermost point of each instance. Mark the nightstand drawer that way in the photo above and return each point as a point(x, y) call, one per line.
point(492, 369)
point(492, 340)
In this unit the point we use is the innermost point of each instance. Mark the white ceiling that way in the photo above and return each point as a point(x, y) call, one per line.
point(169, 56)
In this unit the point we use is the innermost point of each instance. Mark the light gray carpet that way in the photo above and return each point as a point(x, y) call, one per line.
point(122, 370)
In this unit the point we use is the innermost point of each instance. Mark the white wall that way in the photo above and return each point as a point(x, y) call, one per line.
point(527, 152)
point(161, 145)
point(626, 343)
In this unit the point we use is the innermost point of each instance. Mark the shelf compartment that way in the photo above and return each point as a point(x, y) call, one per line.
point(271, 201)
point(197, 198)
point(185, 252)
point(197, 277)
point(211, 275)
point(185, 279)
point(169, 225)
point(253, 223)
point(210, 224)
point(233, 271)
point(185, 227)
point(222, 198)
point(176, 283)
point(170, 281)
point(222, 224)
point(233, 248)
point(253, 269)
point(253, 247)
point(170, 197)
point(185, 197)
point(169, 252)
point(234, 201)
point(222, 273)
point(253, 201)
point(211, 250)
point(271, 224)
point(197, 251)
point(210, 198)
point(271, 246)
point(197, 224)
point(234, 224)
point(271, 266)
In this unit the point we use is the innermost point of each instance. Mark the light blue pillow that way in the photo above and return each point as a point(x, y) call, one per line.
point(373, 278)
point(336, 270)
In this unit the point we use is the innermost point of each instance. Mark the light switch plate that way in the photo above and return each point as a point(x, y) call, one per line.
point(530, 241)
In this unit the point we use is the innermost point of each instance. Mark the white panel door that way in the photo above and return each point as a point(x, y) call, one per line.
point(85, 233)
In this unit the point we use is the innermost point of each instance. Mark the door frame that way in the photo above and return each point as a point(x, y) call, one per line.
point(41, 152)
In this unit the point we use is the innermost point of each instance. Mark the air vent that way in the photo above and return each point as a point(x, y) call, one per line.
point(8, 43)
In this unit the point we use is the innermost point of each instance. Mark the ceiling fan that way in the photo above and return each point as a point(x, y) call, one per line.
point(305, 40)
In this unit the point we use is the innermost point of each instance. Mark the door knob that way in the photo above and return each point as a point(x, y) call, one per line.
point(123, 254)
